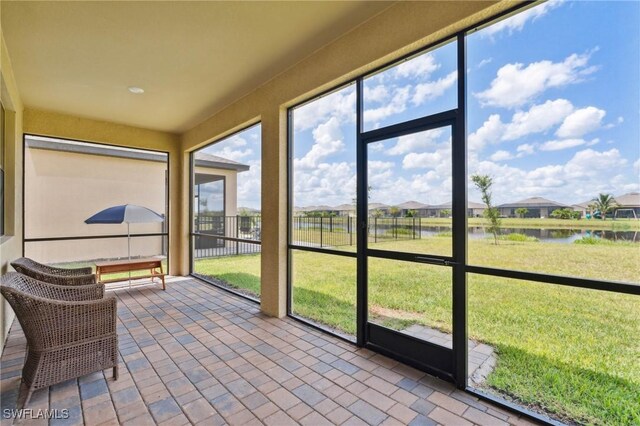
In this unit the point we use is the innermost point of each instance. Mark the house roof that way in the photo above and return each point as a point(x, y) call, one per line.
point(63, 145)
point(413, 205)
point(533, 202)
point(344, 208)
point(632, 199)
point(215, 162)
point(373, 206)
point(470, 205)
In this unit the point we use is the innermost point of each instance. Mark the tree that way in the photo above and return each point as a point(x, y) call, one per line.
point(445, 212)
point(411, 213)
point(394, 211)
point(377, 213)
point(522, 212)
point(603, 203)
point(483, 183)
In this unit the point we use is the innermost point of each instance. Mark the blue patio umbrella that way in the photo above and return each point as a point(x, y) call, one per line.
point(127, 213)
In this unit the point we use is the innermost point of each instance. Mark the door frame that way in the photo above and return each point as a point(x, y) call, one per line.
point(442, 361)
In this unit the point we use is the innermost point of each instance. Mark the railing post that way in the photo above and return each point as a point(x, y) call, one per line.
point(375, 230)
point(349, 230)
point(237, 235)
point(321, 231)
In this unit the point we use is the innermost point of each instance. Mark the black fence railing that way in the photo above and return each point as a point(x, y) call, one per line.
point(216, 236)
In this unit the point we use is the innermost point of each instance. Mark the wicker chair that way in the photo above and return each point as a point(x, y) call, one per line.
point(70, 331)
point(50, 274)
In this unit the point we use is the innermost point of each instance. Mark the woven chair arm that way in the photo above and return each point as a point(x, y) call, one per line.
point(73, 293)
point(58, 323)
point(73, 280)
point(69, 272)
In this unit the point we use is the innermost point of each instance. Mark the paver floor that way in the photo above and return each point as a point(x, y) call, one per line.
point(195, 354)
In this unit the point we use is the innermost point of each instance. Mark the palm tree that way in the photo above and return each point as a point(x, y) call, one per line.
point(603, 203)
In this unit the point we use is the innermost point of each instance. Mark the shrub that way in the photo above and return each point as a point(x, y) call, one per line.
point(515, 236)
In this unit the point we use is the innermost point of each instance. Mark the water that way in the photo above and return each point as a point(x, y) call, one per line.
point(563, 236)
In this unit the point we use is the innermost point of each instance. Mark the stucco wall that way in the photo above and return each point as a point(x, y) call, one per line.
point(62, 189)
point(11, 243)
point(47, 123)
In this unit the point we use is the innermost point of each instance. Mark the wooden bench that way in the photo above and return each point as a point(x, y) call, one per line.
point(153, 265)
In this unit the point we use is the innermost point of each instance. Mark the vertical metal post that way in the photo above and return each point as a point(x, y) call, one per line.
point(237, 234)
point(321, 231)
point(459, 225)
point(361, 221)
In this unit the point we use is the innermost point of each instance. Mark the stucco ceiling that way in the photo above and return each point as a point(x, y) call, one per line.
point(191, 58)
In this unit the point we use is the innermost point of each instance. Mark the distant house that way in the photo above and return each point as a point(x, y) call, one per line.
point(345, 210)
point(420, 209)
point(536, 207)
point(216, 184)
point(627, 206)
point(384, 208)
point(445, 209)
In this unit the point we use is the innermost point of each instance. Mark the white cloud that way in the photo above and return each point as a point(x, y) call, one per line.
point(501, 155)
point(415, 142)
point(433, 89)
point(231, 154)
point(484, 62)
point(421, 66)
point(538, 118)
point(518, 21)
point(327, 141)
point(516, 84)
point(340, 104)
point(525, 149)
point(636, 166)
point(438, 159)
point(589, 163)
point(397, 105)
point(490, 132)
point(557, 145)
point(376, 146)
point(581, 122)
point(376, 94)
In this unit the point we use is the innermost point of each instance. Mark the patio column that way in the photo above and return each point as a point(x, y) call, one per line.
point(274, 213)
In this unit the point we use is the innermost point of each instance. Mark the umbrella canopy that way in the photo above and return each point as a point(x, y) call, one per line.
point(127, 213)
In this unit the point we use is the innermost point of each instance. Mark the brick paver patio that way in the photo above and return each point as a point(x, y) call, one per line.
point(194, 354)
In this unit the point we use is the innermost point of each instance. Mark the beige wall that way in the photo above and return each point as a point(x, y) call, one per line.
point(231, 187)
point(62, 189)
point(47, 123)
point(11, 243)
point(402, 28)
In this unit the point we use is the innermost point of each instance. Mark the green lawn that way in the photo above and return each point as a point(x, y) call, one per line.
point(569, 351)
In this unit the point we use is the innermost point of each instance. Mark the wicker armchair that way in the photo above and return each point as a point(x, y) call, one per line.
point(50, 274)
point(70, 331)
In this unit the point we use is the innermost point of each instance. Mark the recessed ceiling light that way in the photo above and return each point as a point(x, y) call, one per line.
point(136, 90)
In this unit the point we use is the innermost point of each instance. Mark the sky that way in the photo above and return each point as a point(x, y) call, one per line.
point(553, 111)
point(243, 147)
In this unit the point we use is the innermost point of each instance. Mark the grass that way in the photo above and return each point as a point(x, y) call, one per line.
point(568, 351)
point(238, 272)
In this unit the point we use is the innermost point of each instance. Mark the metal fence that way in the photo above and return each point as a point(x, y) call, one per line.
point(216, 236)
